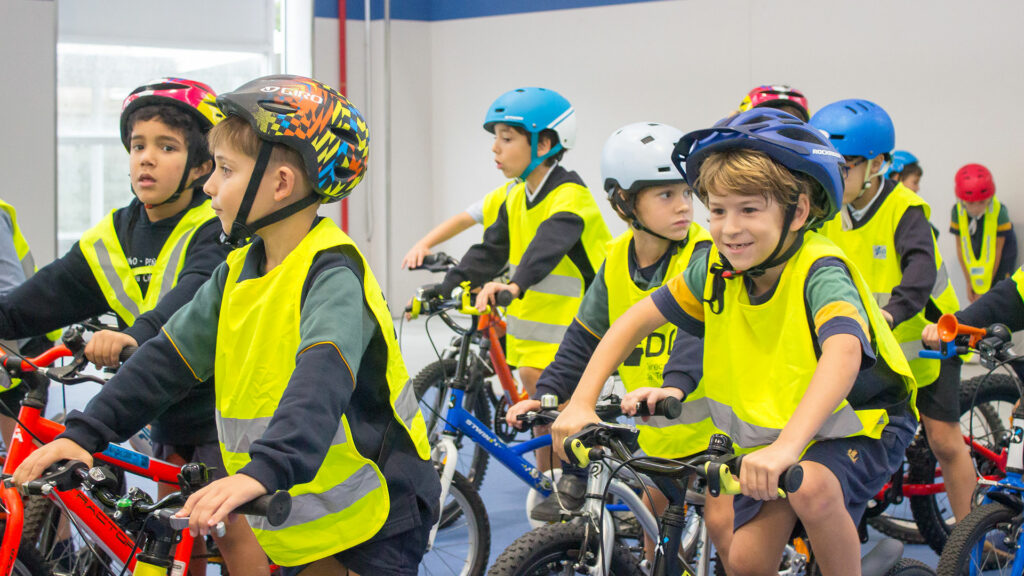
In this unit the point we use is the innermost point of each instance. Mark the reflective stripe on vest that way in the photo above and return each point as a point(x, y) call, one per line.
point(538, 320)
point(765, 355)
point(115, 276)
point(1018, 279)
point(872, 249)
point(979, 268)
point(347, 501)
point(659, 436)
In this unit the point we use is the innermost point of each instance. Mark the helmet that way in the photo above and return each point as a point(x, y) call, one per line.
point(774, 97)
point(313, 119)
point(639, 155)
point(196, 98)
point(856, 127)
point(900, 159)
point(974, 183)
point(534, 110)
point(788, 141)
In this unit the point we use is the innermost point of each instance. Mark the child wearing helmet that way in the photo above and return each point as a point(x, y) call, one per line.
point(312, 393)
point(781, 97)
point(143, 262)
point(827, 387)
point(987, 247)
point(905, 168)
point(549, 229)
point(883, 227)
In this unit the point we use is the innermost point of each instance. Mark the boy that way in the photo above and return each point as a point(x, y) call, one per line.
point(884, 229)
point(987, 249)
point(781, 97)
point(142, 263)
point(549, 229)
point(905, 169)
point(661, 241)
point(789, 330)
point(309, 375)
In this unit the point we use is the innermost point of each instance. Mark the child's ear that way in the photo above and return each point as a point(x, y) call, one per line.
point(876, 164)
point(284, 182)
point(544, 145)
point(200, 171)
point(803, 211)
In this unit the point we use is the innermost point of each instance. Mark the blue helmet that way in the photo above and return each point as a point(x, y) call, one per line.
point(534, 110)
point(856, 127)
point(782, 137)
point(900, 159)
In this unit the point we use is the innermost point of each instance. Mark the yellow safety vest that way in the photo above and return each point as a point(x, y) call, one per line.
point(28, 262)
point(872, 249)
point(659, 436)
point(493, 201)
point(759, 359)
point(1018, 279)
point(116, 277)
point(257, 339)
point(979, 269)
point(538, 320)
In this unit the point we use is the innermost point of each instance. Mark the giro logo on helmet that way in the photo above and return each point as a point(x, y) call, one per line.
point(294, 92)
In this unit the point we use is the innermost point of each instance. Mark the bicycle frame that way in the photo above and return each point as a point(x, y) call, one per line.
point(494, 327)
point(940, 487)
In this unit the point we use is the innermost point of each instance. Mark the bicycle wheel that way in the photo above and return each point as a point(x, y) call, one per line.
point(555, 549)
point(984, 541)
point(432, 392)
point(910, 567)
point(985, 404)
point(464, 546)
point(56, 542)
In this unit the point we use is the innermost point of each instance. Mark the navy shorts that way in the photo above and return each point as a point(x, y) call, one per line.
point(208, 454)
point(940, 400)
point(862, 465)
point(394, 555)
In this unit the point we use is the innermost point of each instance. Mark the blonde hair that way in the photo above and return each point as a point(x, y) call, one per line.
point(749, 172)
point(235, 132)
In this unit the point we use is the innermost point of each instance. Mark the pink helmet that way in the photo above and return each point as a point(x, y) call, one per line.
point(974, 183)
point(191, 96)
point(775, 97)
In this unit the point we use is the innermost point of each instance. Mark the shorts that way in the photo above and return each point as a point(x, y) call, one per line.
point(11, 399)
point(862, 465)
point(940, 400)
point(396, 555)
point(208, 454)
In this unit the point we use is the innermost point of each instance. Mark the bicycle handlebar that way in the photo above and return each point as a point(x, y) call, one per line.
point(994, 341)
point(439, 262)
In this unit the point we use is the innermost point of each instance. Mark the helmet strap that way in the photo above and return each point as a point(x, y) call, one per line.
point(536, 161)
point(868, 177)
point(628, 209)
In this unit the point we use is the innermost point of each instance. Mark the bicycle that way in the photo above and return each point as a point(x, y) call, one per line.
point(989, 538)
point(161, 542)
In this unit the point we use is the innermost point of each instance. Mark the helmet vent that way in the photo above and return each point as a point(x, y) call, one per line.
point(342, 173)
point(664, 168)
point(799, 135)
point(499, 110)
point(345, 135)
point(277, 107)
point(647, 139)
point(160, 86)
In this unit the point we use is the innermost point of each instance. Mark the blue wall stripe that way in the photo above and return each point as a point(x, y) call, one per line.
point(436, 10)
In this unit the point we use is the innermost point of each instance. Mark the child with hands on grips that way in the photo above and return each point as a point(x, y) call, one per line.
point(798, 364)
point(312, 394)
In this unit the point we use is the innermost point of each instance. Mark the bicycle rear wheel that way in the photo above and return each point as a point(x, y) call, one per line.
point(555, 549)
point(985, 541)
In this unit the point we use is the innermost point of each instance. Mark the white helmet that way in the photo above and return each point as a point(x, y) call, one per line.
point(639, 155)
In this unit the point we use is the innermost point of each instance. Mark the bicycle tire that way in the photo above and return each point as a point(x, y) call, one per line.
point(910, 567)
point(441, 557)
point(933, 514)
point(974, 529)
point(550, 549)
point(432, 377)
point(41, 535)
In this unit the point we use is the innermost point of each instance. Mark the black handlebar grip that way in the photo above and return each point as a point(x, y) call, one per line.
point(790, 480)
point(276, 507)
point(669, 407)
point(431, 259)
point(126, 353)
point(504, 298)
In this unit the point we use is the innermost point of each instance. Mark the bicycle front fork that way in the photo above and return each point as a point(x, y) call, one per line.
point(448, 455)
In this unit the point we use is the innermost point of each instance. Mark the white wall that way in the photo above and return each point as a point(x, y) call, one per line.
point(950, 80)
point(28, 42)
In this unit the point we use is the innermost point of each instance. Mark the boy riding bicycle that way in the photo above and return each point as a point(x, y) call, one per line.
point(312, 393)
point(799, 365)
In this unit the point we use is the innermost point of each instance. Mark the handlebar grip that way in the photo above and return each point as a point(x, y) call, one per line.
point(789, 481)
point(669, 407)
point(276, 507)
point(431, 259)
point(126, 353)
point(504, 298)
point(934, 355)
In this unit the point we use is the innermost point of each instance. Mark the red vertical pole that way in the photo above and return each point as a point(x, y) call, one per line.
point(343, 81)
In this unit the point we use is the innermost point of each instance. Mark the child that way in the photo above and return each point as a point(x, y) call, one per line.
point(884, 229)
point(906, 169)
point(312, 393)
point(549, 229)
point(790, 331)
point(987, 249)
point(483, 212)
point(144, 261)
point(661, 241)
point(780, 97)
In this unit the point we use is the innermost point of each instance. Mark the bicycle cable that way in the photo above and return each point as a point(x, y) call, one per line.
point(974, 400)
point(135, 547)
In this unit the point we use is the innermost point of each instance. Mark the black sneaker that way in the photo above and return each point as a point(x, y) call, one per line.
point(569, 498)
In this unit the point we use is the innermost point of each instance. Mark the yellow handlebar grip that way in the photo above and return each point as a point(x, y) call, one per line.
point(581, 452)
point(731, 484)
point(467, 305)
point(416, 308)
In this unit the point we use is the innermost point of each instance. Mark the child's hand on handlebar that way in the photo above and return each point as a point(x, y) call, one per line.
point(521, 407)
point(37, 462)
point(759, 477)
point(414, 257)
point(572, 419)
point(930, 336)
point(214, 502)
point(490, 290)
point(651, 396)
point(105, 346)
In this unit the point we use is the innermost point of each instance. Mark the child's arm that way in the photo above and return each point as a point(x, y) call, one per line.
point(482, 261)
point(915, 246)
point(444, 231)
point(555, 237)
point(1002, 303)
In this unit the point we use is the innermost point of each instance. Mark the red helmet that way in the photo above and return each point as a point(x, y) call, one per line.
point(776, 97)
point(974, 183)
point(193, 97)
